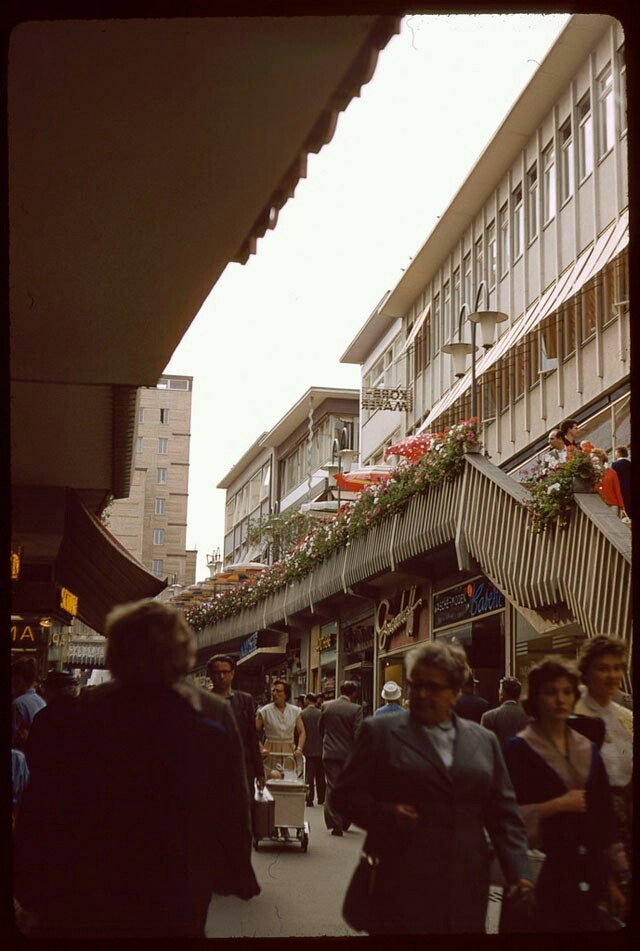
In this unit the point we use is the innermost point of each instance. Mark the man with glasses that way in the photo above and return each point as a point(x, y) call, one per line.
point(221, 671)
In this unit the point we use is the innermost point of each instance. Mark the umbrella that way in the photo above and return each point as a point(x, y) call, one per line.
point(411, 447)
point(357, 479)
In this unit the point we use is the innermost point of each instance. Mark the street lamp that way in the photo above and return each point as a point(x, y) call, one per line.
point(488, 319)
point(340, 450)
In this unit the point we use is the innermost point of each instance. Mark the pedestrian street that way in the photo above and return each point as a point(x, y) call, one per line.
point(301, 893)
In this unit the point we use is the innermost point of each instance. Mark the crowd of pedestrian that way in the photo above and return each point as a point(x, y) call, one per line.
point(132, 799)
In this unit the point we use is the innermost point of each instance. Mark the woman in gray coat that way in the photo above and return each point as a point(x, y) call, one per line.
point(425, 784)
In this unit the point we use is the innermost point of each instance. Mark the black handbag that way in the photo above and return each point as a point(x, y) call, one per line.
point(358, 901)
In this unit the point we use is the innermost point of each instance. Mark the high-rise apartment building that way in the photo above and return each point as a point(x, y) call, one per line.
point(152, 522)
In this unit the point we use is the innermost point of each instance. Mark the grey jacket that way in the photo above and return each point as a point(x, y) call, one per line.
point(311, 719)
point(340, 722)
point(505, 721)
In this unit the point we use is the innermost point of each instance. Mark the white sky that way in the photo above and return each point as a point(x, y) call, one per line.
point(277, 325)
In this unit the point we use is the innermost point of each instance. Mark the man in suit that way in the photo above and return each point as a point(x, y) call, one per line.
point(469, 705)
point(340, 722)
point(313, 771)
point(622, 468)
point(509, 718)
point(221, 670)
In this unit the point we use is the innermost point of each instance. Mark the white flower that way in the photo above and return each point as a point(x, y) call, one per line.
point(554, 487)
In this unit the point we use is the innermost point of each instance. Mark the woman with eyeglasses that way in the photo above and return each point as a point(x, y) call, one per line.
point(425, 784)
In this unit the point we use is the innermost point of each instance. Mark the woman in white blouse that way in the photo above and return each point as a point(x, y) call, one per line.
point(280, 722)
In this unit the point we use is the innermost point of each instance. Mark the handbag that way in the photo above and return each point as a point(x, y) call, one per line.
point(624, 517)
point(358, 901)
point(263, 813)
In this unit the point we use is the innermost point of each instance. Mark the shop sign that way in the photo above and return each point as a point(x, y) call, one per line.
point(15, 564)
point(25, 635)
point(68, 601)
point(465, 602)
point(391, 398)
point(388, 624)
point(250, 645)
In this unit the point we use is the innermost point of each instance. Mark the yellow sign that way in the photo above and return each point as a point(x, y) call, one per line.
point(68, 601)
point(22, 633)
point(15, 565)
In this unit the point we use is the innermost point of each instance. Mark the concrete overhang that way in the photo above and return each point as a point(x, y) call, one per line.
point(144, 156)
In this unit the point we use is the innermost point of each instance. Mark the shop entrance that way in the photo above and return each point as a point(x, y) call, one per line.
point(483, 641)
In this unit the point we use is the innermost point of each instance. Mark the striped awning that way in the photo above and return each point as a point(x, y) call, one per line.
point(610, 243)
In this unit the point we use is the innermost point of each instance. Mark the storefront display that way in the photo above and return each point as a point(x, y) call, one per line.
point(401, 621)
point(472, 613)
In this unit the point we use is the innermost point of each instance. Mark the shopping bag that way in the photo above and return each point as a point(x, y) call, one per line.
point(263, 813)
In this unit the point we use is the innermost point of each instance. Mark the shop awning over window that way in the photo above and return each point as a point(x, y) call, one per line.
point(97, 568)
point(610, 243)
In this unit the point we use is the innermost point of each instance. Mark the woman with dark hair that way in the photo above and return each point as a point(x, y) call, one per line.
point(425, 784)
point(565, 801)
point(280, 721)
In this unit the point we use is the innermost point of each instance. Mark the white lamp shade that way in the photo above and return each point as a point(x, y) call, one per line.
point(459, 353)
point(487, 319)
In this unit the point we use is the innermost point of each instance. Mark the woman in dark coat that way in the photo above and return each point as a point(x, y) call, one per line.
point(425, 784)
point(564, 797)
point(142, 810)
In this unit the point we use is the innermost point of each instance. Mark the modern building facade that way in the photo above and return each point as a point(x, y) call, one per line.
point(152, 522)
point(539, 233)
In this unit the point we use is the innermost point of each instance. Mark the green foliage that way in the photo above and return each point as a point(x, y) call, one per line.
point(551, 489)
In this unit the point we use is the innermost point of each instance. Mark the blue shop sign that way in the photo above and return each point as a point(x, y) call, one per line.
point(465, 602)
point(250, 645)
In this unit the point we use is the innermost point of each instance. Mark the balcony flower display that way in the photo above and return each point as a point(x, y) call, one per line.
point(551, 488)
point(441, 460)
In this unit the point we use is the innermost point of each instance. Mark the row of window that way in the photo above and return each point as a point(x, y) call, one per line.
point(520, 217)
point(167, 383)
point(164, 415)
point(248, 497)
point(555, 340)
point(331, 433)
point(163, 445)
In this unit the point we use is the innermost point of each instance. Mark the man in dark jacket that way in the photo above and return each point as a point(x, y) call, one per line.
point(313, 772)
point(221, 671)
point(509, 718)
point(622, 468)
point(55, 724)
point(469, 705)
point(340, 722)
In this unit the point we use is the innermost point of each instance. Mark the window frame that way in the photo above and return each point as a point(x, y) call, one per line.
point(160, 506)
point(503, 227)
point(492, 255)
point(585, 137)
point(161, 479)
point(549, 179)
point(567, 177)
point(517, 222)
point(139, 445)
point(158, 536)
point(606, 131)
point(163, 446)
point(532, 215)
point(164, 415)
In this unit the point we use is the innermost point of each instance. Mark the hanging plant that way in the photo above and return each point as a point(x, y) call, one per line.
point(551, 488)
point(443, 460)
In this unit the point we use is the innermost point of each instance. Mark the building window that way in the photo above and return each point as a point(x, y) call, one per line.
point(622, 101)
point(478, 263)
point(588, 312)
point(158, 536)
point(566, 159)
point(605, 112)
point(492, 253)
point(139, 443)
point(503, 220)
point(532, 203)
point(163, 383)
point(141, 414)
point(161, 476)
point(163, 446)
point(164, 415)
point(446, 309)
point(161, 506)
point(518, 222)
point(488, 383)
point(519, 371)
point(436, 324)
point(549, 345)
point(423, 345)
point(549, 183)
point(533, 360)
point(467, 282)
point(157, 567)
point(456, 302)
point(585, 137)
point(569, 328)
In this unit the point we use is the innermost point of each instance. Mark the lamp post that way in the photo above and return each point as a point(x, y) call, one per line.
point(340, 450)
point(488, 319)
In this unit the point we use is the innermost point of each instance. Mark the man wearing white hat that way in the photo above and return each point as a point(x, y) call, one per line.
point(391, 694)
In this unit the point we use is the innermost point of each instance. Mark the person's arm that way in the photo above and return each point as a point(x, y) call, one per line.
point(616, 491)
point(354, 795)
point(260, 731)
point(302, 736)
